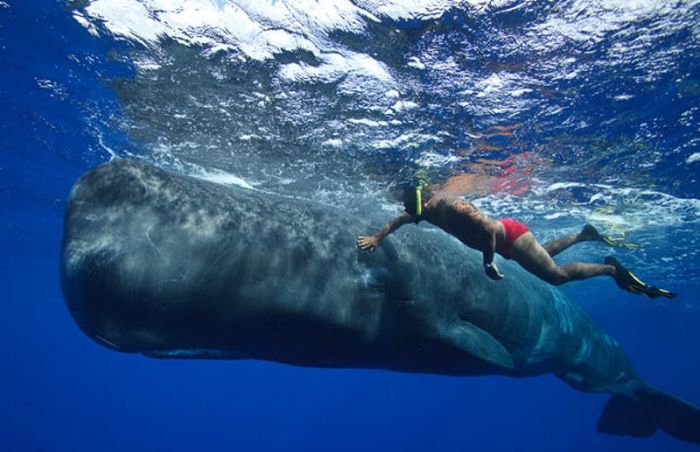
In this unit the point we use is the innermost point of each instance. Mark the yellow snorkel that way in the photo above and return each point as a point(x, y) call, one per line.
point(419, 202)
point(423, 181)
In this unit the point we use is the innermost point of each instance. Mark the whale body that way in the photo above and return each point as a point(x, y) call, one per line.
point(172, 266)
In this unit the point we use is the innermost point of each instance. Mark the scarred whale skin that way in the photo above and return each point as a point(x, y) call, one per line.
point(172, 266)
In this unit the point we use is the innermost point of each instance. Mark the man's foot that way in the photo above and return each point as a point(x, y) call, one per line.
point(591, 233)
point(626, 280)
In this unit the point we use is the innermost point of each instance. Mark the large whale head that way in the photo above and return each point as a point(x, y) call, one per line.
point(152, 261)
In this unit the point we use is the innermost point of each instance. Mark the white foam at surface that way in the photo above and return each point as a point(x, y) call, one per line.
point(432, 159)
point(368, 122)
point(127, 18)
point(520, 92)
point(627, 209)
point(259, 29)
point(404, 105)
point(222, 177)
point(405, 141)
point(415, 62)
point(354, 67)
point(183, 21)
point(487, 86)
point(501, 84)
point(145, 63)
point(78, 16)
point(392, 94)
point(596, 19)
point(408, 9)
point(262, 28)
point(430, 9)
point(565, 185)
point(333, 142)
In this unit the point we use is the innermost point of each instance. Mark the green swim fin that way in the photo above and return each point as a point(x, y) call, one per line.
point(620, 242)
point(628, 281)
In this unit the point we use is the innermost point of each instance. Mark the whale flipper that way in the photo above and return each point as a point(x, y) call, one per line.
point(479, 343)
point(647, 410)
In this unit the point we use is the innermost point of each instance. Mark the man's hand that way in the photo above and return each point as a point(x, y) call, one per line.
point(492, 272)
point(369, 243)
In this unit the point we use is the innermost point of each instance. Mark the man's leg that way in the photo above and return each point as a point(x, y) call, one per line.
point(534, 258)
point(588, 233)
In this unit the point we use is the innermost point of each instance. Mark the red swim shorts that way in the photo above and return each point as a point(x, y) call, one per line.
point(514, 229)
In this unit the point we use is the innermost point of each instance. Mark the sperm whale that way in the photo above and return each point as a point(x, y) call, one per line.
point(172, 266)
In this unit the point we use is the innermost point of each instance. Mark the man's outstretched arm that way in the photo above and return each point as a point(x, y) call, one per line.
point(370, 243)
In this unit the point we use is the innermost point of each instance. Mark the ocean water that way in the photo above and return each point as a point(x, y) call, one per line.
point(554, 112)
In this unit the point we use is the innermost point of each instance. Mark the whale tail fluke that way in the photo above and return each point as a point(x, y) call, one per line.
point(646, 411)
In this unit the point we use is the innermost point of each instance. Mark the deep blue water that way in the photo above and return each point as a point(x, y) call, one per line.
point(606, 108)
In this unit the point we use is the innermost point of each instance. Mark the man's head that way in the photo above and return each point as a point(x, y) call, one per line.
point(412, 196)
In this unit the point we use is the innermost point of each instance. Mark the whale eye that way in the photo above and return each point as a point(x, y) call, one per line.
point(377, 278)
point(385, 282)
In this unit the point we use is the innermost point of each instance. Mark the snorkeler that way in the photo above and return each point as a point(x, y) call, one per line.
point(511, 239)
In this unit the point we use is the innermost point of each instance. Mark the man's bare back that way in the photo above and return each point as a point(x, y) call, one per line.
point(462, 219)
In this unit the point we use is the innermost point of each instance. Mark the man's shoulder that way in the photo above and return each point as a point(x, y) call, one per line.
point(458, 202)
